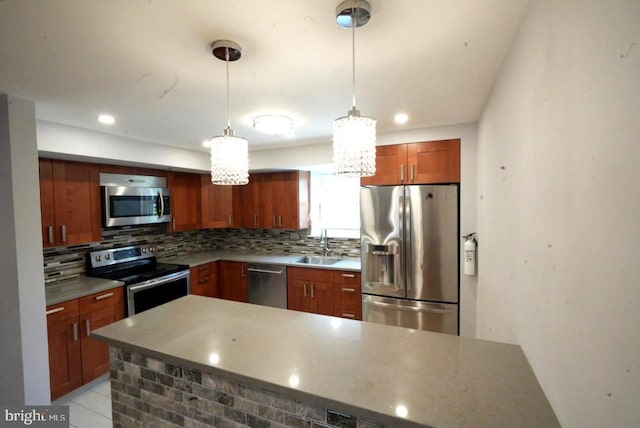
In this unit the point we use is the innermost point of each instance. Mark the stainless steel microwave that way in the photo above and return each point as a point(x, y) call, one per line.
point(134, 200)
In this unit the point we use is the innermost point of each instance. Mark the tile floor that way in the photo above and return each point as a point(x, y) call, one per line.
point(89, 406)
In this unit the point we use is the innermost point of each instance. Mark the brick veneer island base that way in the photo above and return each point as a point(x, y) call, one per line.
point(201, 362)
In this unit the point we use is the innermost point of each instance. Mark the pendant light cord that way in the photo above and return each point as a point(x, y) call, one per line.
point(228, 101)
point(353, 52)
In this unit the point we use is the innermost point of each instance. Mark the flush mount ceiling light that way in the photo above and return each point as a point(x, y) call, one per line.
point(274, 124)
point(354, 136)
point(229, 154)
point(106, 119)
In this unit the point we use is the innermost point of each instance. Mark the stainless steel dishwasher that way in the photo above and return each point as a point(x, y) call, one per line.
point(268, 284)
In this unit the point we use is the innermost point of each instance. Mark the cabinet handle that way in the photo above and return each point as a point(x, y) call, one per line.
point(412, 165)
point(255, 220)
point(305, 290)
point(349, 290)
point(312, 287)
point(64, 233)
point(401, 172)
point(51, 237)
point(75, 331)
point(104, 296)
point(202, 281)
point(230, 220)
point(348, 275)
point(352, 316)
point(55, 310)
point(87, 324)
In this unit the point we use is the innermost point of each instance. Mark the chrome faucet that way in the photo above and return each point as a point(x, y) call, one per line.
point(324, 242)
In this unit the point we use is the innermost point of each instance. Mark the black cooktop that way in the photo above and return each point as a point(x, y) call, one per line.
point(140, 273)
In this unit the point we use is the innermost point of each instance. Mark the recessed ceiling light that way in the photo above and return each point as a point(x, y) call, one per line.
point(400, 118)
point(106, 119)
point(274, 124)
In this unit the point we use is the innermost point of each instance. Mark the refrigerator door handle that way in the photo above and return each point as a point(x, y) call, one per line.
point(410, 309)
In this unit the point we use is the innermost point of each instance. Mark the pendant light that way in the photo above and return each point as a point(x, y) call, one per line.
point(229, 154)
point(354, 136)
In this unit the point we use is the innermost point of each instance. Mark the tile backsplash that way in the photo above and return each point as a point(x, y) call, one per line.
point(64, 263)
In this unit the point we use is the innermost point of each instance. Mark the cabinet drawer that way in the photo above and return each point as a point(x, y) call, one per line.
point(347, 278)
point(62, 311)
point(310, 274)
point(101, 300)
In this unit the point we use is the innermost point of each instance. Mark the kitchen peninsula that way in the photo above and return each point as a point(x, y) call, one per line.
point(199, 361)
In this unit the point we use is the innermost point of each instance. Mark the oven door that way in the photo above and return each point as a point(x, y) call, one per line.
point(124, 206)
point(157, 291)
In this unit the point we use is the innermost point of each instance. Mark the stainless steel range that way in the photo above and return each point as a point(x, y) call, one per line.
point(147, 283)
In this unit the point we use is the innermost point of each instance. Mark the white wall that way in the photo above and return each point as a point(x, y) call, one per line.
point(559, 207)
point(24, 378)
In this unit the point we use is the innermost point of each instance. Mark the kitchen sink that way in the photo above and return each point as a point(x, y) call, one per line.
point(317, 260)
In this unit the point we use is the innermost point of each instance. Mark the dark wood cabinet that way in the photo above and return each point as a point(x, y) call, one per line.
point(310, 290)
point(69, 202)
point(204, 279)
point(217, 204)
point(348, 294)
point(65, 363)
point(185, 201)
point(233, 281)
point(75, 358)
point(427, 162)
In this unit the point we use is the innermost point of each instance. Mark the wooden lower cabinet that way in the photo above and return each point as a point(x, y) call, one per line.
point(204, 280)
point(348, 294)
point(233, 281)
point(75, 358)
point(310, 290)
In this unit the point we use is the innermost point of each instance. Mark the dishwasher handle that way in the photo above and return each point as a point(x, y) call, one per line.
point(274, 272)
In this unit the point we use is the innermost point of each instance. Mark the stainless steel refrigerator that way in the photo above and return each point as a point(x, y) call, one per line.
point(409, 251)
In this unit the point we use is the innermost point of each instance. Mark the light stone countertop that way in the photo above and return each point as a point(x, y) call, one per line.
point(78, 287)
point(433, 379)
point(200, 257)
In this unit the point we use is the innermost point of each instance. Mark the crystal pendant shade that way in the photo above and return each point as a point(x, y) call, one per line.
point(354, 146)
point(229, 160)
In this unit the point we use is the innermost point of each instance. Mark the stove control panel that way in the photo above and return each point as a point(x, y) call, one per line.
point(114, 256)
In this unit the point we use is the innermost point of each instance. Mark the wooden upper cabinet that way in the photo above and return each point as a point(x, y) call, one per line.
point(434, 162)
point(284, 200)
point(391, 166)
point(416, 163)
point(246, 208)
point(217, 204)
point(69, 202)
point(185, 201)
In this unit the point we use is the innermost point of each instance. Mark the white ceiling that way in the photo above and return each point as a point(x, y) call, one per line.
point(149, 63)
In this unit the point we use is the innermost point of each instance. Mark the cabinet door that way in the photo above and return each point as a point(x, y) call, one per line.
point(246, 203)
point(98, 310)
point(185, 205)
point(297, 295)
point(321, 299)
point(65, 365)
point(434, 162)
point(391, 166)
point(47, 212)
point(217, 204)
point(290, 193)
point(76, 189)
point(204, 280)
point(233, 283)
